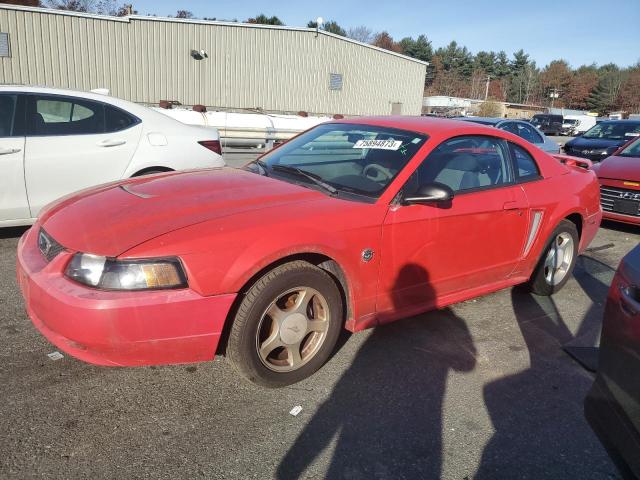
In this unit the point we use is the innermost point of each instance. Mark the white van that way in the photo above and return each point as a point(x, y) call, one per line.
point(577, 124)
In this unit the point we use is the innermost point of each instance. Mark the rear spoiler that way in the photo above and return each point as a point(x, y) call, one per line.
point(573, 161)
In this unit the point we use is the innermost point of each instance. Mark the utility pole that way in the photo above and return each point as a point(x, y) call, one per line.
point(486, 89)
point(555, 93)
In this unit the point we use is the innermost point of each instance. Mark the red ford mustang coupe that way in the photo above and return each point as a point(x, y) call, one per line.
point(619, 177)
point(349, 225)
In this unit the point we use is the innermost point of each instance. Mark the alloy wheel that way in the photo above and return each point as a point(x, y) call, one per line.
point(559, 259)
point(292, 329)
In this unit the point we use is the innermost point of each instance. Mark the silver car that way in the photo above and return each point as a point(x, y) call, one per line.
point(521, 128)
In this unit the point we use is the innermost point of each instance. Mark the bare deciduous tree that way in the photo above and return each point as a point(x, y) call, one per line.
point(361, 34)
point(490, 109)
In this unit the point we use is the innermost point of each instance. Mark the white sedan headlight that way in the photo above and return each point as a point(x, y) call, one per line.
point(112, 274)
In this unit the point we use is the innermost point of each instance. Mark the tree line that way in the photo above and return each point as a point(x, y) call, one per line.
point(454, 70)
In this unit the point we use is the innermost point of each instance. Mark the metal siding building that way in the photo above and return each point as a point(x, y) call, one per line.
point(147, 59)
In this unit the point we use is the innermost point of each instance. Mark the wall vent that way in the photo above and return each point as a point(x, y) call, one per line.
point(335, 81)
point(4, 45)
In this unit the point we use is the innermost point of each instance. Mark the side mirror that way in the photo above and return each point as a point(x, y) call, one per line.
point(430, 193)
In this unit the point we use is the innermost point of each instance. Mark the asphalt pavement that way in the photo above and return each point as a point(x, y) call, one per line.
point(561, 140)
point(479, 390)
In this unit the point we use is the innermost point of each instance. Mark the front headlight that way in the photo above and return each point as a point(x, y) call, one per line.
point(112, 274)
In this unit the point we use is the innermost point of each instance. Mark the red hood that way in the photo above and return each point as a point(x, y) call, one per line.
point(619, 168)
point(111, 219)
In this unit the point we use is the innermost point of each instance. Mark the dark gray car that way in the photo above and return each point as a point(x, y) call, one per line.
point(612, 406)
point(521, 128)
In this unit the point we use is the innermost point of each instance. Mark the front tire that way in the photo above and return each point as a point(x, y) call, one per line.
point(557, 261)
point(286, 326)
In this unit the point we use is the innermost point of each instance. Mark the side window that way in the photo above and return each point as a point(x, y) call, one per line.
point(465, 163)
point(8, 104)
point(510, 127)
point(116, 119)
point(527, 132)
point(525, 165)
point(51, 115)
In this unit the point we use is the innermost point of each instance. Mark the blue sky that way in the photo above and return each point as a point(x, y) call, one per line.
point(579, 31)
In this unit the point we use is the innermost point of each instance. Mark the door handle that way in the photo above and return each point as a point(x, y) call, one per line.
point(7, 151)
point(511, 206)
point(629, 304)
point(111, 142)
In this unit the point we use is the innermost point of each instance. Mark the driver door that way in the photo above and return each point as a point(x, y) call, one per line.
point(430, 252)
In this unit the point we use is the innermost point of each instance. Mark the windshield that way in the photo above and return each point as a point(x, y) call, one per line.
point(632, 150)
point(353, 159)
point(614, 131)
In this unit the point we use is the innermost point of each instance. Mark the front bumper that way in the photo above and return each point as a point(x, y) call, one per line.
point(619, 217)
point(113, 327)
point(609, 190)
point(594, 157)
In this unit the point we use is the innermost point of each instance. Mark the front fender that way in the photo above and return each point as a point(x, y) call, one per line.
point(223, 255)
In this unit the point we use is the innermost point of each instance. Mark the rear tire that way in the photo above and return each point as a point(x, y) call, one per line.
point(557, 261)
point(286, 326)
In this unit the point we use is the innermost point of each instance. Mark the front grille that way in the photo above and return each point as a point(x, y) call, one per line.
point(48, 246)
point(596, 157)
point(620, 200)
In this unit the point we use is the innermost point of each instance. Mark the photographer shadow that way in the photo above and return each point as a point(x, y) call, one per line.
point(384, 416)
point(537, 414)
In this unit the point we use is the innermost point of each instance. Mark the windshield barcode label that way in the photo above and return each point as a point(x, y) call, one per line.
point(379, 144)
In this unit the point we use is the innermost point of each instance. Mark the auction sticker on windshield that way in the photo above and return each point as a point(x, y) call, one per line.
point(379, 144)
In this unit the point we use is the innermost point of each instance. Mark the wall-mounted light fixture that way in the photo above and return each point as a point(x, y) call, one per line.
point(199, 54)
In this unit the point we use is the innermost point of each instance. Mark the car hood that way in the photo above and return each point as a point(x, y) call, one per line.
point(620, 168)
point(593, 143)
point(111, 219)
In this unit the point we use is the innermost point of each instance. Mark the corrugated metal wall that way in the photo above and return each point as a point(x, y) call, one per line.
point(147, 60)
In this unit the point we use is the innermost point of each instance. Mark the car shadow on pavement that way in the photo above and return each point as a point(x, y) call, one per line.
point(12, 232)
point(620, 227)
point(594, 277)
point(537, 413)
point(385, 412)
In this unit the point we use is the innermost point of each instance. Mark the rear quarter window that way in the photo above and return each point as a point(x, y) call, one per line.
point(116, 119)
point(525, 166)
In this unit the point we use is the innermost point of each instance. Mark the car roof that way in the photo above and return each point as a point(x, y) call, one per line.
point(622, 122)
point(440, 129)
point(139, 110)
point(484, 120)
point(99, 97)
point(427, 125)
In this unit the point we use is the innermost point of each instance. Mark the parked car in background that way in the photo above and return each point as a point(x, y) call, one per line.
point(603, 139)
point(577, 124)
point(569, 126)
point(54, 142)
point(612, 406)
point(619, 177)
point(548, 123)
point(521, 128)
point(351, 224)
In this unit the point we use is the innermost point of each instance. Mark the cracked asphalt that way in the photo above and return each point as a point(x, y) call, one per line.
point(479, 390)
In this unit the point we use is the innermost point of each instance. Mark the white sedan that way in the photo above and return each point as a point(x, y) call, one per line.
point(54, 142)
